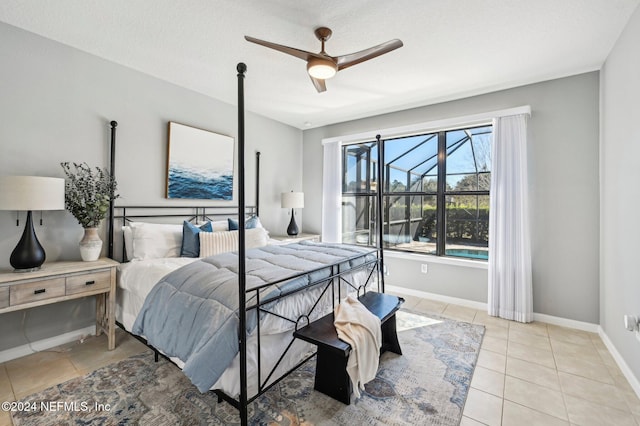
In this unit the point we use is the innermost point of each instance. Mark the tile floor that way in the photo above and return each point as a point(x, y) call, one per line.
point(527, 374)
point(540, 374)
point(23, 376)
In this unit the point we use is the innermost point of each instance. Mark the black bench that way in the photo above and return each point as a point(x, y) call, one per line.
point(331, 367)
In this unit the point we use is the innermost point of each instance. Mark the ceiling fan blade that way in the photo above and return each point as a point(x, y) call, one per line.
point(319, 84)
point(302, 54)
point(346, 61)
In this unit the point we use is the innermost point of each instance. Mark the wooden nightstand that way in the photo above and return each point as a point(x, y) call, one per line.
point(60, 281)
point(299, 237)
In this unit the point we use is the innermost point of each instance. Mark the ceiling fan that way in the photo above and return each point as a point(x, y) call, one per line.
point(321, 66)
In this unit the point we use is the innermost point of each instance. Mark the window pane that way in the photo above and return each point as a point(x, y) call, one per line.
point(469, 182)
point(411, 163)
point(412, 224)
point(360, 168)
point(467, 219)
point(469, 159)
point(358, 219)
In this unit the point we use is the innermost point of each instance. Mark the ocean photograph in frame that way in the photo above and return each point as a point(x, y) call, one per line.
point(199, 164)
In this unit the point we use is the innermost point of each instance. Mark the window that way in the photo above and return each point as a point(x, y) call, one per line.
point(435, 192)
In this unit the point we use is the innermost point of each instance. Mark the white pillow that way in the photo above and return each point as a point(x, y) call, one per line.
point(217, 225)
point(225, 241)
point(155, 240)
point(127, 234)
point(220, 225)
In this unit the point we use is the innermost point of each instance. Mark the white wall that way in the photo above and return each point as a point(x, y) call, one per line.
point(56, 103)
point(563, 164)
point(620, 203)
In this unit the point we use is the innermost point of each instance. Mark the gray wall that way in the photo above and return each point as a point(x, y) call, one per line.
point(56, 103)
point(563, 165)
point(620, 204)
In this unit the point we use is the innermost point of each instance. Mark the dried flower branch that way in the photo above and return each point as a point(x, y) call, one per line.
point(88, 193)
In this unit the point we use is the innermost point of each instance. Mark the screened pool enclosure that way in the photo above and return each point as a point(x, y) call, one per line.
point(435, 191)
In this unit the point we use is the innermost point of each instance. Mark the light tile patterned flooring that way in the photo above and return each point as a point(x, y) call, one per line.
point(527, 374)
point(23, 376)
point(540, 374)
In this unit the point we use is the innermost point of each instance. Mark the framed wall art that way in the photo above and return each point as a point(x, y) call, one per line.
point(199, 164)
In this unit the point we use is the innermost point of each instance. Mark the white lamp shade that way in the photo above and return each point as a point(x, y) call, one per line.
point(31, 193)
point(292, 200)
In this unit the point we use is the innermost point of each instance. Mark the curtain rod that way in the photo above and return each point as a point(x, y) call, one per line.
point(430, 125)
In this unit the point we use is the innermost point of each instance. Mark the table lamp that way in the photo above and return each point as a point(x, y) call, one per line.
point(292, 200)
point(28, 193)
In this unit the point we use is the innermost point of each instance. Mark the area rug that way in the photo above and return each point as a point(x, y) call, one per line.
point(427, 385)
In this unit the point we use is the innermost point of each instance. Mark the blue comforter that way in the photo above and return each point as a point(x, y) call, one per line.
point(192, 313)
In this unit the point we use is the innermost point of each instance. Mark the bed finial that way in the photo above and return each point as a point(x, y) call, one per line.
point(242, 67)
point(114, 123)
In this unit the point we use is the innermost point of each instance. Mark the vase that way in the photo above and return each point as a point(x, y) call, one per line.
point(90, 245)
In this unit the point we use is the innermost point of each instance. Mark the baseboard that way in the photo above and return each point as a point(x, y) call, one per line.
point(628, 374)
point(48, 343)
point(549, 319)
point(438, 297)
point(565, 322)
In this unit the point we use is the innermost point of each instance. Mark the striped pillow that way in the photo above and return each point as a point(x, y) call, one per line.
point(212, 243)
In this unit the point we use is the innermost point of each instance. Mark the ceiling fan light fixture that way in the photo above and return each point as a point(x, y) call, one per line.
point(321, 69)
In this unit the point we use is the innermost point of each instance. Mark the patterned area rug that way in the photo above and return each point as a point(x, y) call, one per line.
point(428, 384)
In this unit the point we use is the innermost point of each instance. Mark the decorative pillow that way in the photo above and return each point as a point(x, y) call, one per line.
point(190, 238)
point(155, 240)
point(249, 223)
point(225, 241)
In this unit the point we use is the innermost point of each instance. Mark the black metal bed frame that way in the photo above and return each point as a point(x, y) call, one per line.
point(332, 283)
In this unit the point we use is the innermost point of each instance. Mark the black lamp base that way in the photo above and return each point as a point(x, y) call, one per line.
point(28, 255)
point(292, 230)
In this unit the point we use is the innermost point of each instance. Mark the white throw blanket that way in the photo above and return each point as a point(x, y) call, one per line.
point(357, 326)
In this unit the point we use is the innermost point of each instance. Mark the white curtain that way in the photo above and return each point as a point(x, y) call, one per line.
point(332, 193)
point(510, 289)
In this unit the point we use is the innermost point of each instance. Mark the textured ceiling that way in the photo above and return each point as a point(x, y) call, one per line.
point(452, 48)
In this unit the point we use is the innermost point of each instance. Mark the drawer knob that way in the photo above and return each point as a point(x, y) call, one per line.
point(90, 282)
point(42, 290)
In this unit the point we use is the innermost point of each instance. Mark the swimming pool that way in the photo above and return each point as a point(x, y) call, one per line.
point(468, 253)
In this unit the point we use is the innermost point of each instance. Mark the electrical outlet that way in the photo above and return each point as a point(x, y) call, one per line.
point(424, 268)
point(632, 323)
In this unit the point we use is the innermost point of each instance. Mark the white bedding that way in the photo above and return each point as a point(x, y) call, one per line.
point(135, 281)
point(137, 278)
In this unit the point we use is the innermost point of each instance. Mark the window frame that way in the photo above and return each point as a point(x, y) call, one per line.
point(441, 194)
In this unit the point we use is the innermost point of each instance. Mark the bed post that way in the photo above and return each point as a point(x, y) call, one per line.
point(380, 220)
point(112, 170)
point(242, 278)
point(258, 183)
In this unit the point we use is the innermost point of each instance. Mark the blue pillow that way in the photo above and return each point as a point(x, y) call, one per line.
point(191, 239)
point(250, 223)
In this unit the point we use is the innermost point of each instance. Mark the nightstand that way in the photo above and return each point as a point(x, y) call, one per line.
point(59, 281)
point(299, 237)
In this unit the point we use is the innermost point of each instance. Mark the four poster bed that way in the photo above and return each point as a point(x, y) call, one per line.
point(228, 320)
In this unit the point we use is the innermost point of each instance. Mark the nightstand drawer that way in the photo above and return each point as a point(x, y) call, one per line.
point(36, 291)
point(88, 282)
point(4, 297)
